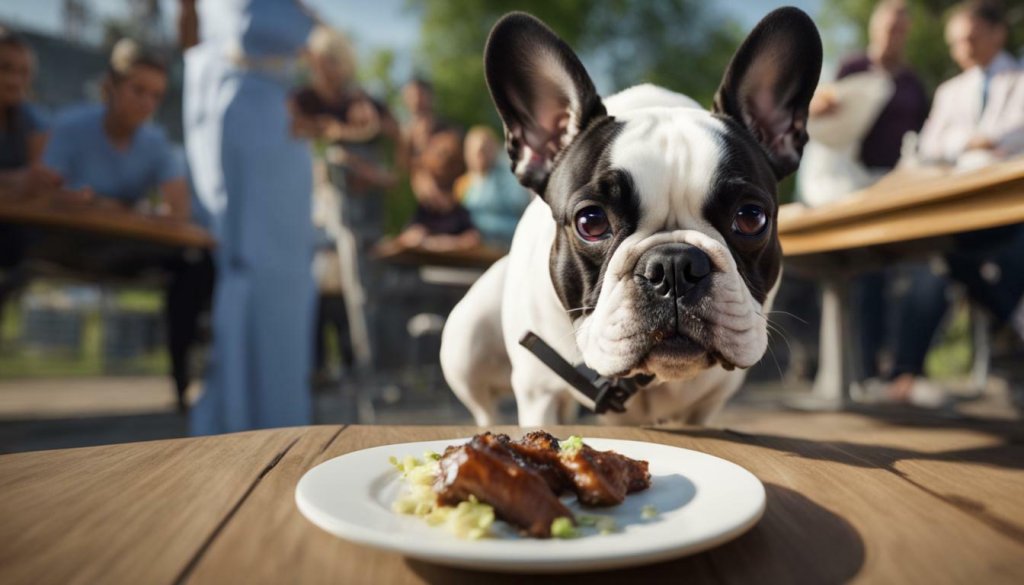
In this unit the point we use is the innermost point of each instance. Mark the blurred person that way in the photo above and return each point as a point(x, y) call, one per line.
point(879, 150)
point(333, 108)
point(977, 116)
point(440, 223)
point(23, 130)
point(489, 191)
point(907, 108)
point(113, 150)
point(423, 123)
point(118, 157)
point(254, 178)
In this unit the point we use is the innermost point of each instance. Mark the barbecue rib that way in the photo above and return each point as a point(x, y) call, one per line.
point(522, 479)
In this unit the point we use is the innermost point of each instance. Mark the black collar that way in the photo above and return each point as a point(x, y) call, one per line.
point(598, 393)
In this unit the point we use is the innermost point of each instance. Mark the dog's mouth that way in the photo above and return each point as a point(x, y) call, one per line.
point(674, 355)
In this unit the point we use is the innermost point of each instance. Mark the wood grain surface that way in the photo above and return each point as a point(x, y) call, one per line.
point(850, 498)
point(908, 205)
point(113, 223)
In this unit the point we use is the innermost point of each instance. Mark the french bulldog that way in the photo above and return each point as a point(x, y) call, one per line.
point(651, 248)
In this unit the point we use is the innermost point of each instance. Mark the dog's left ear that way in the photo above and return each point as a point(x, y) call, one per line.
point(769, 84)
point(542, 92)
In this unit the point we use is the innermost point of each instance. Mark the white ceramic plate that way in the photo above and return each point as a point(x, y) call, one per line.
point(701, 500)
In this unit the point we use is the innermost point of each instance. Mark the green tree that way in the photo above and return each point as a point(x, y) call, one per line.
point(681, 44)
point(926, 47)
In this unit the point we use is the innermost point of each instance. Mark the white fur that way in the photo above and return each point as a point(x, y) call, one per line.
point(670, 146)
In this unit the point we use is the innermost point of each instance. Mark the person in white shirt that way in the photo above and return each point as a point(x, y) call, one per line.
point(977, 118)
point(981, 110)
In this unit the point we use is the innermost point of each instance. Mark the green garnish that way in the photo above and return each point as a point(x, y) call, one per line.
point(648, 512)
point(573, 444)
point(563, 528)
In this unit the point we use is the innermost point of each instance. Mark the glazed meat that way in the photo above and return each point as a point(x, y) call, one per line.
point(603, 478)
point(486, 468)
point(522, 479)
point(540, 451)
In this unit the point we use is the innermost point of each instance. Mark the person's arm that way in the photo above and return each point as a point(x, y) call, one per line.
point(36, 147)
point(175, 196)
point(363, 124)
point(188, 24)
point(931, 144)
point(170, 179)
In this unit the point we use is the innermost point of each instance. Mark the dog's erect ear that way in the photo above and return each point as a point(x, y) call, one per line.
point(542, 92)
point(769, 84)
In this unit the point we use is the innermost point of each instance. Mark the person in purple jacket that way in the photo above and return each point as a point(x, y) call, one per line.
point(880, 151)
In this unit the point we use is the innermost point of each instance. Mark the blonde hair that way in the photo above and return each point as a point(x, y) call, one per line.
point(331, 43)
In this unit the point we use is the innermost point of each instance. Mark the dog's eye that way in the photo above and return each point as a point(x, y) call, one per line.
point(750, 220)
point(592, 224)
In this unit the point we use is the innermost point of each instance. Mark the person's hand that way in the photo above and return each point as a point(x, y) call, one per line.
point(979, 142)
point(412, 237)
point(304, 127)
point(427, 192)
point(39, 178)
point(824, 102)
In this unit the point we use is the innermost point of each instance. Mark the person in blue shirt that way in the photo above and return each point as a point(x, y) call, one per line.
point(117, 157)
point(490, 192)
point(112, 150)
point(23, 130)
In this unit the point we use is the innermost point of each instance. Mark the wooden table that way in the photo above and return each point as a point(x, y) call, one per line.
point(849, 498)
point(906, 215)
point(88, 242)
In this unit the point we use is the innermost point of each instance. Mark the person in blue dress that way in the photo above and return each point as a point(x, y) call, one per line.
point(253, 178)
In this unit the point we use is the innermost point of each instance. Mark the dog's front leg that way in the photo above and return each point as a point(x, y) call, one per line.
point(538, 395)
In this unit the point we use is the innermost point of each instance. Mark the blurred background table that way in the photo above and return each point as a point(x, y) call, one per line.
point(849, 497)
point(911, 214)
point(84, 241)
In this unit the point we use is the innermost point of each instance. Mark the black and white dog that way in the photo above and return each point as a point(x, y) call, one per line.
point(652, 248)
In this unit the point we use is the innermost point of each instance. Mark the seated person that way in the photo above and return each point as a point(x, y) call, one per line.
point(439, 223)
point(116, 155)
point(977, 115)
point(489, 191)
point(113, 151)
point(23, 131)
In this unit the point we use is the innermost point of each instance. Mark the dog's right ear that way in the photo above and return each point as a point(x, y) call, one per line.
point(542, 92)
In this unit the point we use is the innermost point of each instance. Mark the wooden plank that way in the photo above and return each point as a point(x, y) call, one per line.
point(110, 222)
point(977, 467)
point(134, 513)
point(832, 516)
point(905, 190)
point(984, 210)
point(306, 554)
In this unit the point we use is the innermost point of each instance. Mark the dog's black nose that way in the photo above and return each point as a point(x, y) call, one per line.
point(673, 269)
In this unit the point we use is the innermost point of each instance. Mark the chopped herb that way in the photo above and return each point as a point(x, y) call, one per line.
point(573, 444)
point(648, 512)
point(563, 528)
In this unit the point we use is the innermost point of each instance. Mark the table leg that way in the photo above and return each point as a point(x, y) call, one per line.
point(836, 351)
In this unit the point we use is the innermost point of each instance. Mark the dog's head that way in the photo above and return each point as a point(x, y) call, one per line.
point(667, 248)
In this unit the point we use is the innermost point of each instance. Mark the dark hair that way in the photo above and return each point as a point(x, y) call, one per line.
point(988, 11)
point(128, 55)
point(422, 83)
point(13, 40)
